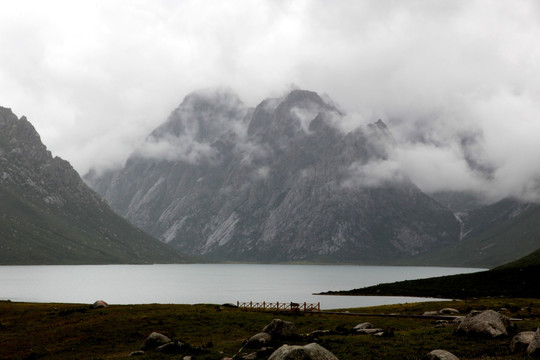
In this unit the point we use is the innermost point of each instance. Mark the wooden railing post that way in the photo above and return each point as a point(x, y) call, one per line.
point(319, 307)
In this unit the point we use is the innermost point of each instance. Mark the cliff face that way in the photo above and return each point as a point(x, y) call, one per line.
point(48, 215)
point(280, 182)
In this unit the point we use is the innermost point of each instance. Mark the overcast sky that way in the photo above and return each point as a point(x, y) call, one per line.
point(458, 82)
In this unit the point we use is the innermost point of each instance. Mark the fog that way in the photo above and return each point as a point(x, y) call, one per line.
point(457, 82)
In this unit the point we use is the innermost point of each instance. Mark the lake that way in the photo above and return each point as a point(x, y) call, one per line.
point(207, 283)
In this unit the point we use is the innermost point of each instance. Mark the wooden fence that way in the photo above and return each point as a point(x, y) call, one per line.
point(277, 306)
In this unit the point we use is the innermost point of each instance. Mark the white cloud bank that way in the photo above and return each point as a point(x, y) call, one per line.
point(95, 77)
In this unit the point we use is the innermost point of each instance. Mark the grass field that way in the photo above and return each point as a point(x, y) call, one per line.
point(73, 331)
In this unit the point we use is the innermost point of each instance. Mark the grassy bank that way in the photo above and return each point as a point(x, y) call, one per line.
point(71, 331)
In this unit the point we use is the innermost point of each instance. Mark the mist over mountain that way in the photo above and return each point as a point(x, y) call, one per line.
point(283, 181)
point(48, 215)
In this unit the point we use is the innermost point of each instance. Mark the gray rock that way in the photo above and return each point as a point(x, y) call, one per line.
point(280, 329)
point(154, 340)
point(311, 351)
point(448, 311)
point(534, 347)
point(440, 355)
point(320, 333)
point(137, 353)
point(371, 331)
point(430, 313)
point(260, 339)
point(487, 323)
point(364, 325)
point(521, 341)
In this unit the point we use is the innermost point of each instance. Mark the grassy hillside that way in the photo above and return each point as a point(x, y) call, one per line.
point(497, 244)
point(31, 234)
point(73, 331)
point(520, 278)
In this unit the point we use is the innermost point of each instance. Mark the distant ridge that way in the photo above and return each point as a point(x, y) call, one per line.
point(520, 278)
point(49, 216)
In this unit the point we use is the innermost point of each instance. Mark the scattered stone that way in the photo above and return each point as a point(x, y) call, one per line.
point(153, 341)
point(251, 356)
point(440, 355)
point(369, 331)
point(448, 311)
point(441, 323)
point(99, 304)
point(260, 339)
point(534, 347)
point(137, 353)
point(430, 313)
point(521, 341)
point(311, 351)
point(364, 325)
point(187, 357)
point(280, 329)
point(486, 323)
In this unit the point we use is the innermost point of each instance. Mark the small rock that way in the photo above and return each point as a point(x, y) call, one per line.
point(368, 331)
point(153, 341)
point(137, 353)
point(430, 313)
point(441, 323)
point(440, 355)
point(99, 304)
point(311, 351)
point(448, 311)
point(251, 356)
point(260, 339)
point(364, 325)
point(320, 333)
point(521, 341)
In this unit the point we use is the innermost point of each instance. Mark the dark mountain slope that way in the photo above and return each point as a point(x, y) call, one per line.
point(49, 216)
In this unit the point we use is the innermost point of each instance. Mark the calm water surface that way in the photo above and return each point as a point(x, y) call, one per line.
point(206, 283)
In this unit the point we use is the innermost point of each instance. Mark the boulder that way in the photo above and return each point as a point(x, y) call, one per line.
point(153, 341)
point(364, 325)
point(99, 304)
point(487, 323)
point(448, 311)
point(534, 347)
point(521, 341)
point(260, 339)
point(280, 329)
point(311, 351)
point(440, 355)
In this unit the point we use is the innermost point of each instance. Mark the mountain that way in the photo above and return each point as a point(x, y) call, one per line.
point(48, 215)
point(520, 278)
point(491, 235)
point(278, 182)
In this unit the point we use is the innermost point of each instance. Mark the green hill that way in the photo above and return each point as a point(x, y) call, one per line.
point(49, 216)
point(520, 278)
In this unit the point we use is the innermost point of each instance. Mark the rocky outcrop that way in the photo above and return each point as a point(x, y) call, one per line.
point(440, 355)
point(279, 182)
point(311, 351)
point(487, 323)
